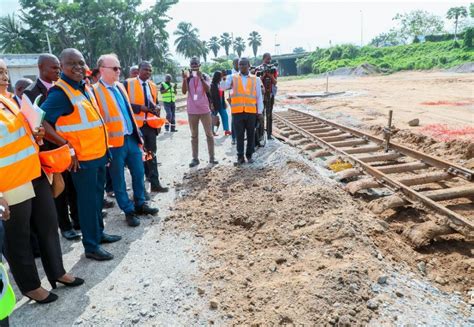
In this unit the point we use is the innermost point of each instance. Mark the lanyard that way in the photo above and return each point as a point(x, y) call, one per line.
point(196, 84)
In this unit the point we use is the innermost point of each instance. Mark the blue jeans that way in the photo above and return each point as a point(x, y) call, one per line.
point(170, 108)
point(89, 184)
point(224, 118)
point(129, 154)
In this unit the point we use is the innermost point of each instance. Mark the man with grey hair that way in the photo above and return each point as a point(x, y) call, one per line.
point(124, 140)
point(20, 86)
point(133, 72)
point(168, 92)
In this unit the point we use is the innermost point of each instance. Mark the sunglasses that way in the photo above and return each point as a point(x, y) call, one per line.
point(115, 69)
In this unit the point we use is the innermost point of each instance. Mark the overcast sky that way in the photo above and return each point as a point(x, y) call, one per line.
point(290, 23)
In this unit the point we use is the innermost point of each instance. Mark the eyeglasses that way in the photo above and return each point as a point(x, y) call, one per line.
point(115, 69)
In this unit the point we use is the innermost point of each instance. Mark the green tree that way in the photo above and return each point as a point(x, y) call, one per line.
point(12, 37)
point(225, 41)
point(456, 13)
point(213, 45)
point(471, 9)
point(204, 50)
point(188, 43)
point(388, 39)
point(255, 41)
point(418, 23)
point(299, 50)
point(97, 27)
point(239, 46)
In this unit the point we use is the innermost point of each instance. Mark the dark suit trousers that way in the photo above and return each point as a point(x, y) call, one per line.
point(89, 183)
point(244, 123)
point(39, 213)
point(66, 205)
point(151, 166)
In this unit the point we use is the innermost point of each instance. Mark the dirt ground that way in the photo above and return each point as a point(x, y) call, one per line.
point(279, 242)
point(287, 246)
point(442, 101)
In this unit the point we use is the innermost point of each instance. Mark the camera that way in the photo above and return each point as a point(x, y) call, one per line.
point(265, 68)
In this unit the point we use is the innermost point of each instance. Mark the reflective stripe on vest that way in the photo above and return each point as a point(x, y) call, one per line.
point(84, 128)
point(169, 95)
point(244, 99)
point(20, 155)
point(111, 112)
point(19, 161)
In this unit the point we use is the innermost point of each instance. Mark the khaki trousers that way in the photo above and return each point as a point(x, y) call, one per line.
point(206, 122)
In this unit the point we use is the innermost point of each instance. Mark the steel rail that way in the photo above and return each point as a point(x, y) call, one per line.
point(459, 223)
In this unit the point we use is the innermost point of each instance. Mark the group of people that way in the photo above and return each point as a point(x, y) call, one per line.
point(206, 98)
point(98, 125)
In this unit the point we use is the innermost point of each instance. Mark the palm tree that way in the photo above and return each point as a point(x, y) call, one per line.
point(226, 42)
point(239, 46)
point(188, 43)
point(204, 50)
point(12, 39)
point(456, 13)
point(255, 40)
point(213, 45)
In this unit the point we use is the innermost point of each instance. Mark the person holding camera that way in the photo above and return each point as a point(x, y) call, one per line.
point(246, 104)
point(168, 92)
point(197, 87)
point(143, 96)
point(268, 74)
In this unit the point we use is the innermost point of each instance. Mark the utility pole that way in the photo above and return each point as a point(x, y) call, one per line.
point(49, 43)
point(361, 28)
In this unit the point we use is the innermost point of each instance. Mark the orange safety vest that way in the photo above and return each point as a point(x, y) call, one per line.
point(110, 111)
point(19, 161)
point(84, 128)
point(137, 96)
point(244, 99)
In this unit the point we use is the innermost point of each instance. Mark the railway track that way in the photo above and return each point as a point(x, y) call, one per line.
point(412, 177)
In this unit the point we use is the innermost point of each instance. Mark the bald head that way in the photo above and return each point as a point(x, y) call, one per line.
point(73, 64)
point(49, 68)
point(21, 85)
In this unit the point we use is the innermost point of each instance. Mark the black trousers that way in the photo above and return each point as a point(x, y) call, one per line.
point(151, 166)
point(269, 115)
point(66, 205)
point(39, 213)
point(244, 123)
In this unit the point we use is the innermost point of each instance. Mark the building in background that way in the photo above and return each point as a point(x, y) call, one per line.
point(21, 66)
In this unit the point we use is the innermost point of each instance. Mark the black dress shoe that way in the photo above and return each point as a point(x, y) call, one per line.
point(132, 219)
point(100, 255)
point(250, 160)
point(108, 204)
point(159, 189)
point(174, 130)
point(269, 137)
point(76, 282)
point(213, 161)
point(71, 235)
point(240, 161)
point(107, 238)
point(51, 298)
point(145, 209)
point(194, 163)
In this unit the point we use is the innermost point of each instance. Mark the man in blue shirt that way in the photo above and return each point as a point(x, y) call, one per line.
point(124, 139)
point(88, 176)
